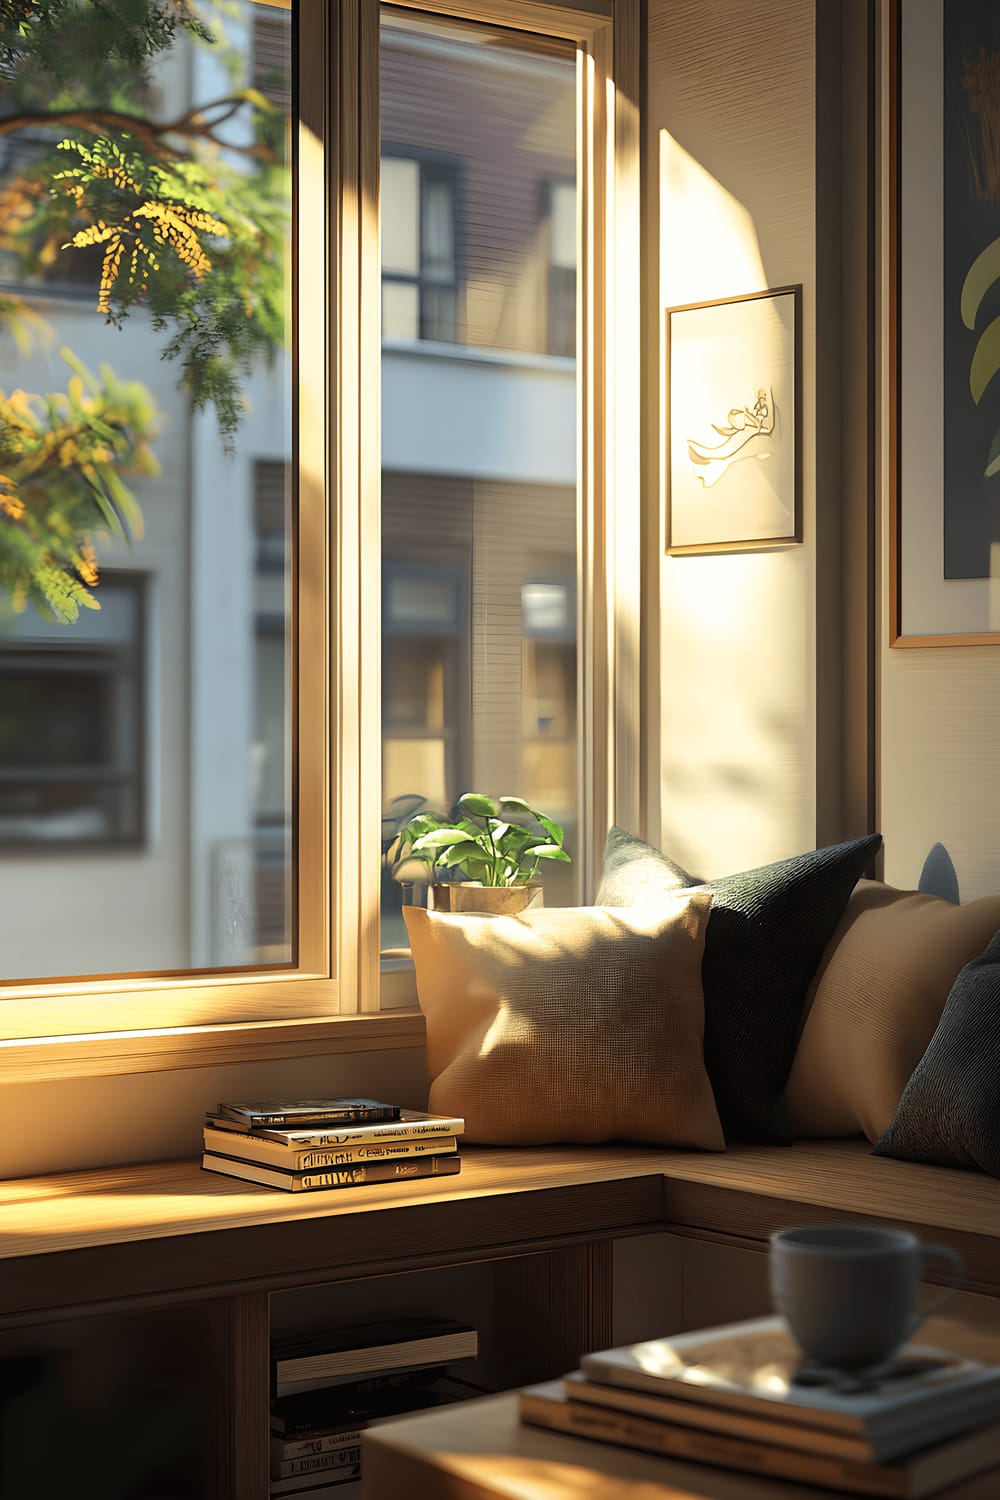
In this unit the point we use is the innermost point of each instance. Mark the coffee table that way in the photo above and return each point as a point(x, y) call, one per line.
point(478, 1450)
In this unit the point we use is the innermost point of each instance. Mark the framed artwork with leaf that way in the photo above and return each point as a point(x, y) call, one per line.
point(940, 72)
point(734, 452)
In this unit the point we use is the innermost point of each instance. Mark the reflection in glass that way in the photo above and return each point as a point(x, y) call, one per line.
point(145, 491)
point(479, 507)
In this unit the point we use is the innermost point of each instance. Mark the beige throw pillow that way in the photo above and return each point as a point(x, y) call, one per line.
point(577, 1024)
point(874, 1003)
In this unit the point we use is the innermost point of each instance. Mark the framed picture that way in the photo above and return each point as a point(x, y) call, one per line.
point(734, 459)
point(940, 71)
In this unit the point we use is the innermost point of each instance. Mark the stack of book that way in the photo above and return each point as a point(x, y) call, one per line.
point(329, 1143)
point(739, 1397)
point(329, 1386)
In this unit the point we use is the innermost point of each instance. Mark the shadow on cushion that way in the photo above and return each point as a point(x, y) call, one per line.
point(766, 934)
point(949, 1114)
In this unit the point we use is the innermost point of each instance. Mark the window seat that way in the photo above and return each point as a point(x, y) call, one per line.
point(170, 1235)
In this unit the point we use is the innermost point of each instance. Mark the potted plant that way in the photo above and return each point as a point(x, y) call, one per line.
point(497, 846)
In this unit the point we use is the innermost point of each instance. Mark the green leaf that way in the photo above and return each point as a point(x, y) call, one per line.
point(438, 838)
point(478, 806)
point(104, 505)
point(548, 851)
point(553, 829)
point(79, 368)
point(458, 854)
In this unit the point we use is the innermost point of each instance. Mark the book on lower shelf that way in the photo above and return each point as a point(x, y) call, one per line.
point(316, 1436)
point(306, 1362)
point(739, 1397)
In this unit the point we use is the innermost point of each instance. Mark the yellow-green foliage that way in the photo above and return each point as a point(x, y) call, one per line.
point(64, 461)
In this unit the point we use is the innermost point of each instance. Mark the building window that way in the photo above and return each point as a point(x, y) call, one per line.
point(71, 727)
point(559, 224)
point(420, 223)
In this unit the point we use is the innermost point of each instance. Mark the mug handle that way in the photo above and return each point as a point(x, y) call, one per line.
point(952, 1259)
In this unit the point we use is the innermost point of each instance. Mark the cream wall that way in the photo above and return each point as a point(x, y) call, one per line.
point(731, 208)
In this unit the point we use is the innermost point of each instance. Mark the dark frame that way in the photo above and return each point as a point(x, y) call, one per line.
point(890, 74)
point(753, 543)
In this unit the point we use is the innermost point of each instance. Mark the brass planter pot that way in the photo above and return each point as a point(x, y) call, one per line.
point(491, 900)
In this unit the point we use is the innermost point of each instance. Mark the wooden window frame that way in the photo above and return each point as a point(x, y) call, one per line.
point(330, 1002)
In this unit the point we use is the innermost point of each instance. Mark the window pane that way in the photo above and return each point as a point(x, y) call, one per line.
point(400, 310)
point(146, 503)
point(478, 453)
point(401, 216)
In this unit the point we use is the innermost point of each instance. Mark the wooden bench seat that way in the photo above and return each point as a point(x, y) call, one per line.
point(170, 1229)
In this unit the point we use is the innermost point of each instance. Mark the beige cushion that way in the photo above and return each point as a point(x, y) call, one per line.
point(874, 1003)
point(577, 1024)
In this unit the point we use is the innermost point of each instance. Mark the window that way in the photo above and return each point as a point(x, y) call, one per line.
point(240, 881)
point(420, 222)
point(71, 732)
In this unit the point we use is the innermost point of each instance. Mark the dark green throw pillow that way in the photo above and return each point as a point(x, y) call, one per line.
point(949, 1113)
point(766, 934)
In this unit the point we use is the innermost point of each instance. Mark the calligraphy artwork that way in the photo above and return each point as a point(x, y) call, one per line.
point(741, 427)
point(735, 482)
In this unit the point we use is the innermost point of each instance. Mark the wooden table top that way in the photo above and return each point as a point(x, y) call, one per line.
point(485, 1453)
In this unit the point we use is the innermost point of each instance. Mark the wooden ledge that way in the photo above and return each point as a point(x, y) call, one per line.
point(169, 1230)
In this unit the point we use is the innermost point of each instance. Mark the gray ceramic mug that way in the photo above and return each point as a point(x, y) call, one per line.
point(849, 1292)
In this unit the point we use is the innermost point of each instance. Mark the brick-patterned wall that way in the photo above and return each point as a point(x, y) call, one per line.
point(513, 129)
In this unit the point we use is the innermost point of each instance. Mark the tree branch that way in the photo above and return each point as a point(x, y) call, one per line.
point(192, 126)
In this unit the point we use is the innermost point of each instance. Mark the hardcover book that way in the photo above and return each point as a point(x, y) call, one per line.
point(310, 1486)
point(246, 1147)
point(314, 1445)
point(335, 1410)
point(412, 1123)
point(334, 1177)
point(910, 1479)
point(309, 1112)
point(325, 1464)
point(756, 1367)
point(309, 1361)
point(768, 1429)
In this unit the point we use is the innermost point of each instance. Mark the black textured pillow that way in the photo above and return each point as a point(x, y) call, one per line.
point(766, 934)
point(949, 1113)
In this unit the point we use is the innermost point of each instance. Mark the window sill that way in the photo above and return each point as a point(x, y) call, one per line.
point(49, 1059)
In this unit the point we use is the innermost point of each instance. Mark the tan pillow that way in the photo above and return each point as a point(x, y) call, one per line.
point(875, 1002)
point(576, 1024)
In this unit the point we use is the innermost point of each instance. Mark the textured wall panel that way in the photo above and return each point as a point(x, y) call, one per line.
point(731, 144)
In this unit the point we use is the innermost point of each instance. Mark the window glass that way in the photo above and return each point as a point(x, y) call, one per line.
point(146, 499)
point(479, 477)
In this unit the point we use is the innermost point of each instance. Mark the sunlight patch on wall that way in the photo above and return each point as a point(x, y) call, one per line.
point(717, 254)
